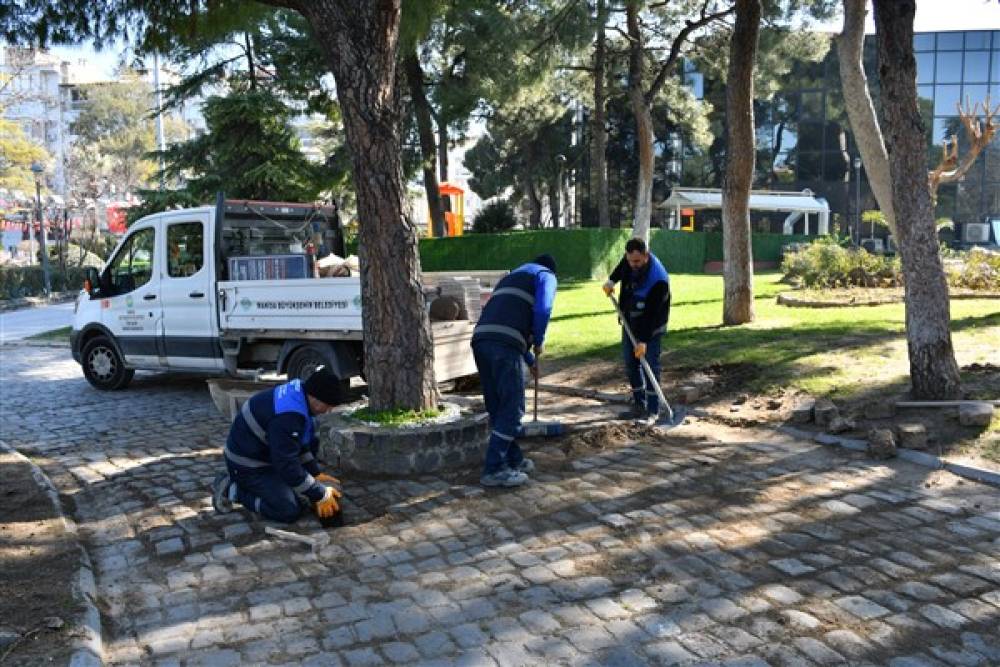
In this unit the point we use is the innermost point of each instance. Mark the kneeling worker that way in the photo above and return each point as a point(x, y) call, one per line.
point(512, 324)
point(645, 303)
point(270, 455)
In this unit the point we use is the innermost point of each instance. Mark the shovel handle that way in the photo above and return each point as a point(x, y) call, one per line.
point(642, 360)
point(536, 388)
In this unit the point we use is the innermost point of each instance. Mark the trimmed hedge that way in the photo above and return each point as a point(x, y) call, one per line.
point(587, 253)
point(580, 253)
point(680, 252)
point(766, 247)
point(21, 281)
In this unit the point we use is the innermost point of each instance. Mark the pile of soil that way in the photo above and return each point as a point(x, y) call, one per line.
point(38, 563)
point(606, 436)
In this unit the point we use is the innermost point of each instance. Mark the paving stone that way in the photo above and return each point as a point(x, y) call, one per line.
point(668, 653)
point(861, 607)
point(781, 594)
point(942, 616)
point(362, 657)
point(400, 652)
point(434, 644)
point(921, 591)
point(975, 414)
point(818, 651)
point(171, 547)
point(792, 566)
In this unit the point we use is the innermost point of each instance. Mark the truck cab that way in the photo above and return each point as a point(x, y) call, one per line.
point(150, 306)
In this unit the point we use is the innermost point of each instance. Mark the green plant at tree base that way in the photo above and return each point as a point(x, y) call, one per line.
point(395, 417)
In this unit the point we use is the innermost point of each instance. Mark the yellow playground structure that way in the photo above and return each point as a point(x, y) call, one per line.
point(453, 203)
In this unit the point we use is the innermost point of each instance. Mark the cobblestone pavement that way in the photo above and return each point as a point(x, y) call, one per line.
point(716, 546)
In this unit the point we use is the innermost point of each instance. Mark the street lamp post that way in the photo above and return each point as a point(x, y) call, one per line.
point(561, 164)
point(38, 170)
point(857, 194)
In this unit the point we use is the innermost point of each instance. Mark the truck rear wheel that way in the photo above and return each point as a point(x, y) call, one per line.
point(103, 367)
point(306, 359)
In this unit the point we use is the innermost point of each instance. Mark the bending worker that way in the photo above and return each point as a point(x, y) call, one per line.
point(645, 303)
point(510, 333)
point(270, 455)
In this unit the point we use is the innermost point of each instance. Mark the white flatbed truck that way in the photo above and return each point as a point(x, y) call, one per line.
point(229, 289)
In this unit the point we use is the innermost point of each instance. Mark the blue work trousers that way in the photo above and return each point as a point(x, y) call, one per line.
point(501, 374)
point(642, 389)
point(261, 490)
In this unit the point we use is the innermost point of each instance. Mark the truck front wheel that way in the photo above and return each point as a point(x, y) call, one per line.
point(306, 359)
point(103, 367)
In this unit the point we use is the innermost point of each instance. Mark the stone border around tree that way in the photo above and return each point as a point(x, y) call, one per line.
point(88, 649)
point(403, 452)
point(789, 299)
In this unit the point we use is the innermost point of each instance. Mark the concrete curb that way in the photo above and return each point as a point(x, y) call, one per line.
point(23, 342)
point(88, 650)
point(25, 303)
point(913, 456)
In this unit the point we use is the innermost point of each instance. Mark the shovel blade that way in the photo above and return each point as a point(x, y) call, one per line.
point(676, 419)
point(540, 430)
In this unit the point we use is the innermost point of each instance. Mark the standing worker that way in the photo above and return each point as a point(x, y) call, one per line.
point(270, 455)
point(645, 303)
point(511, 332)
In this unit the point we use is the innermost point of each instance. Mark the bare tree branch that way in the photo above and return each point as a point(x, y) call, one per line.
point(950, 170)
point(675, 48)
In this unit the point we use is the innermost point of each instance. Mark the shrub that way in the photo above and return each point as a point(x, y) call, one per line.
point(979, 271)
point(21, 281)
point(495, 217)
point(827, 264)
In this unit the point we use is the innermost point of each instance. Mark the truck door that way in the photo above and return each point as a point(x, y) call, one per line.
point(190, 337)
point(132, 311)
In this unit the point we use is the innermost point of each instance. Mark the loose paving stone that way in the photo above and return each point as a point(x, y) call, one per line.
point(630, 556)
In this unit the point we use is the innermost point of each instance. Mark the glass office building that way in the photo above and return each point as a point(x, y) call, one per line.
point(805, 139)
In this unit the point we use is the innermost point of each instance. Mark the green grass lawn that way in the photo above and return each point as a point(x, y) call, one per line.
point(60, 335)
point(840, 351)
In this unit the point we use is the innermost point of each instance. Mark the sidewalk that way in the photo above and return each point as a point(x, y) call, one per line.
point(713, 545)
point(19, 324)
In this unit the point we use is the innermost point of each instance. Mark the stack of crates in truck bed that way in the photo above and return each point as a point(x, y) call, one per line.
point(269, 267)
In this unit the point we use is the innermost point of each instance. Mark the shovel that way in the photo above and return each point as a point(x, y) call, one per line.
point(535, 428)
point(672, 418)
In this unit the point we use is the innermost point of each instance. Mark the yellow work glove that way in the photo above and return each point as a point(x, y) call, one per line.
point(609, 288)
point(640, 350)
point(328, 506)
point(323, 478)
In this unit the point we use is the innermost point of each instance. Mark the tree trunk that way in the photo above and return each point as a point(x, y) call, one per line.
point(598, 131)
point(534, 200)
point(861, 110)
point(737, 300)
point(644, 127)
point(422, 110)
point(555, 202)
point(360, 42)
point(933, 370)
point(442, 149)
